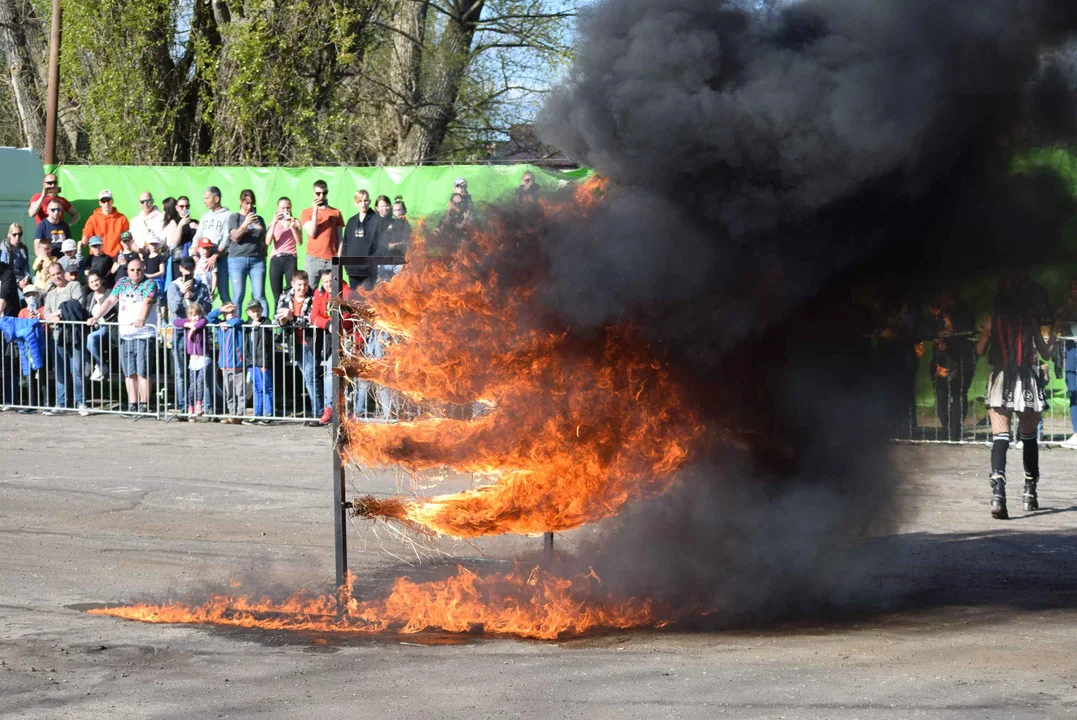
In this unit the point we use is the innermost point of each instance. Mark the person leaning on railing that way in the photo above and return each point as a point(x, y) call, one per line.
point(259, 355)
point(95, 341)
point(137, 299)
point(230, 359)
point(183, 291)
point(63, 307)
point(293, 311)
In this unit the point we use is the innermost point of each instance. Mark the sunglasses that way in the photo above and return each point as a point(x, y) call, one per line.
point(148, 201)
point(134, 269)
point(18, 234)
point(105, 200)
point(50, 183)
point(319, 193)
point(183, 207)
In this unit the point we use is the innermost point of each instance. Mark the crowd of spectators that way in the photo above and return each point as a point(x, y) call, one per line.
point(129, 284)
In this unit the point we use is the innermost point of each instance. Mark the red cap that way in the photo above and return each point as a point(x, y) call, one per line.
point(205, 243)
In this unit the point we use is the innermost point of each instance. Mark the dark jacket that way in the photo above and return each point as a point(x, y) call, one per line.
point(100, 264)
point(72, 311)
point(395, 237)
point(18, 258)
point(361, 239)
point(259, 345)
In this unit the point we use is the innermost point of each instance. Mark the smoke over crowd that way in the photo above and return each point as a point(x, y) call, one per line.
point(779, 180)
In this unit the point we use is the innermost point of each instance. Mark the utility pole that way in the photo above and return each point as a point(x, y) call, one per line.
point(54, 88)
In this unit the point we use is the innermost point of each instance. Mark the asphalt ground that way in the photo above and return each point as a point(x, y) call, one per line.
point(96, 510)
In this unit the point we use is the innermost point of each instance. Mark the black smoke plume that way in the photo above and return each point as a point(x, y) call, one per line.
point(782, 184)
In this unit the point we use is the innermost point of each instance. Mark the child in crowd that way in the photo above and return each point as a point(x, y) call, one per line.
point(293, 310)
point(70, 260)
point(260, 353)
point(127, 254)
point(155, 265)
point(203, 271)
point(230, 360)
point(42, 260)
point(197, 361)
point(34, 307)
point(99, 262)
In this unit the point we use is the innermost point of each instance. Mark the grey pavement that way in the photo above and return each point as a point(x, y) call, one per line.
point(97, 510)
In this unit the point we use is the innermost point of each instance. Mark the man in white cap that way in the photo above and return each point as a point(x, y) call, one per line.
point(149, 222)
point(106, 223)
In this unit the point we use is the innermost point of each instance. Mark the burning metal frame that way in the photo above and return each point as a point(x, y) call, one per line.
point(341, 505)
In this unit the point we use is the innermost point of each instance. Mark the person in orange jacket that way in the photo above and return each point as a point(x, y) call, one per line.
point(106, 222)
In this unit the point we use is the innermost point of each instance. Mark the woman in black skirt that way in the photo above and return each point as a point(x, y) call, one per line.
point(1012, 340)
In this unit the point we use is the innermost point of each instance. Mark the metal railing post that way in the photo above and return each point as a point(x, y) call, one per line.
point(337, 404)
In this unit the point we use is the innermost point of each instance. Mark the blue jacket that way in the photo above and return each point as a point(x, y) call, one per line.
point(29, 334)
point(229, 341)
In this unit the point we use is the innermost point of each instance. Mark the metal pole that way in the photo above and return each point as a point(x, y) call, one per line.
point(547, 543)
point(54, 88)
point(339, 517)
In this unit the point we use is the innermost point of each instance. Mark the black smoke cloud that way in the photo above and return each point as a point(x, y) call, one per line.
point(769, 172)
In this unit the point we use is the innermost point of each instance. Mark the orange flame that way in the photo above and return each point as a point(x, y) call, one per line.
point(941, 371)
point(569, 430)
point(533, 605)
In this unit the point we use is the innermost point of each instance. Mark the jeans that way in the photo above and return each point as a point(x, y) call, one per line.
point(94, 341)
point(1071, 381)
point(262, 380)
point(238, 270)
point(198, 393)
point(281, 270)
point(310, 365)
point(222, 279)
point(179, 365)
point(68, 363)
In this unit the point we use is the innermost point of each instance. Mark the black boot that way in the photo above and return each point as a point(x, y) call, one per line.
point(1032, 501)
point(998, 496)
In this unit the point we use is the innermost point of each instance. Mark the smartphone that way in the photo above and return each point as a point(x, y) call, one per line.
point(285, 215)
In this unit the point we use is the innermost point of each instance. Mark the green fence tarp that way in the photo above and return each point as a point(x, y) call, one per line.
point(426, 190)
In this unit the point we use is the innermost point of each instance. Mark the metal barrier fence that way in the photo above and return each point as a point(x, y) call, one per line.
point(247, 373)
point(952, 409)
point(269, 373)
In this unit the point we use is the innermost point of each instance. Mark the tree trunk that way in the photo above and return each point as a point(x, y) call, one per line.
point(435, 109)
point(404, 75)
point(23, 71)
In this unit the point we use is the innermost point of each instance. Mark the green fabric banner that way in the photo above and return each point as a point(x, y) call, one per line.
point(425, 190)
